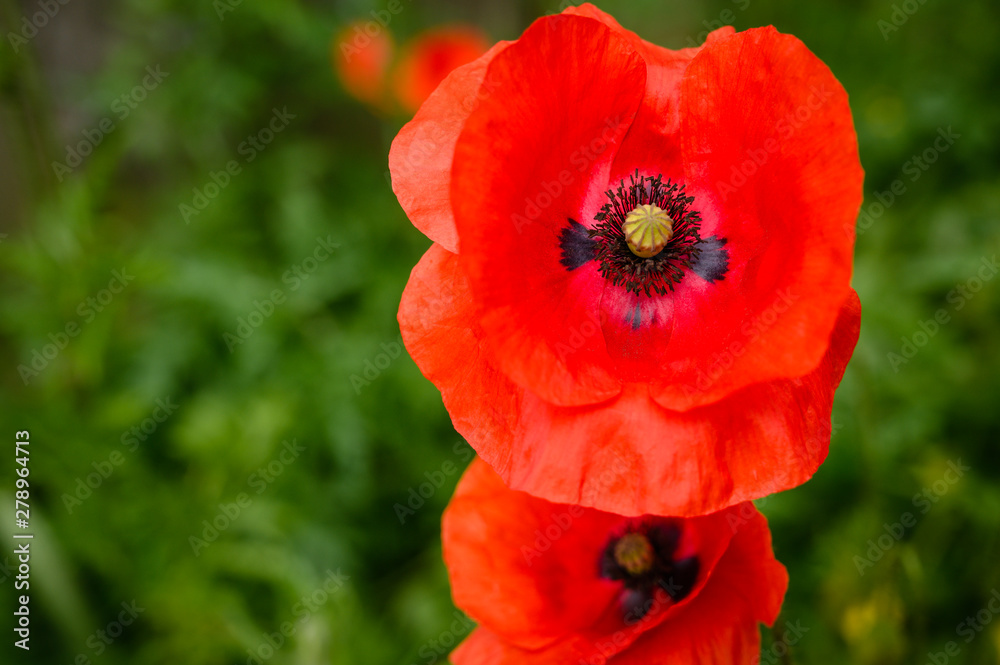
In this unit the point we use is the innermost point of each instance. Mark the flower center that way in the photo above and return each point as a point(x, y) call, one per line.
point(644, 559)
point(647, 230)
point(646, 236)
point(634, 553)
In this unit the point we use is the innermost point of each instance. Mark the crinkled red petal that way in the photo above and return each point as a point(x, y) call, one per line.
point(770, 155)
point(529, 159)
point(421, 154)
point(626, 455)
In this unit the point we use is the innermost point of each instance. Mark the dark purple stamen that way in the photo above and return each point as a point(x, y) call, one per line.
point(676, 577)
point(656, 274)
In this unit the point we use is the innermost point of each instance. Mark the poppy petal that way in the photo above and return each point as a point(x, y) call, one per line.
point(770, 156)
point(637, 330)
point(766, 438)
point(491, 548)
point(421, 154)
point(522, 174)
point(482, 647)
point(528, 569)
point(435, 318)
point(618, 455)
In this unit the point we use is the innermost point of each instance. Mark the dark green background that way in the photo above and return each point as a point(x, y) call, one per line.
point(331, 508)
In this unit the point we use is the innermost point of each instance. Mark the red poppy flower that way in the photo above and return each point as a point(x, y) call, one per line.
point(430, 57)
point(553, 584)
point(706, 370)
point(361, 54)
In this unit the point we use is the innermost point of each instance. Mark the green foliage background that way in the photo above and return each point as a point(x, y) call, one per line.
point(324, 176)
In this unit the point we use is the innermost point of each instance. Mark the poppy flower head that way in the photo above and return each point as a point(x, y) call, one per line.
point(553, 583)
point(645, 261)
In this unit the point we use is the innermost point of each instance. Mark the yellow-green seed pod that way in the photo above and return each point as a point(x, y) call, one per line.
point(647, 230)
point(634, 553)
